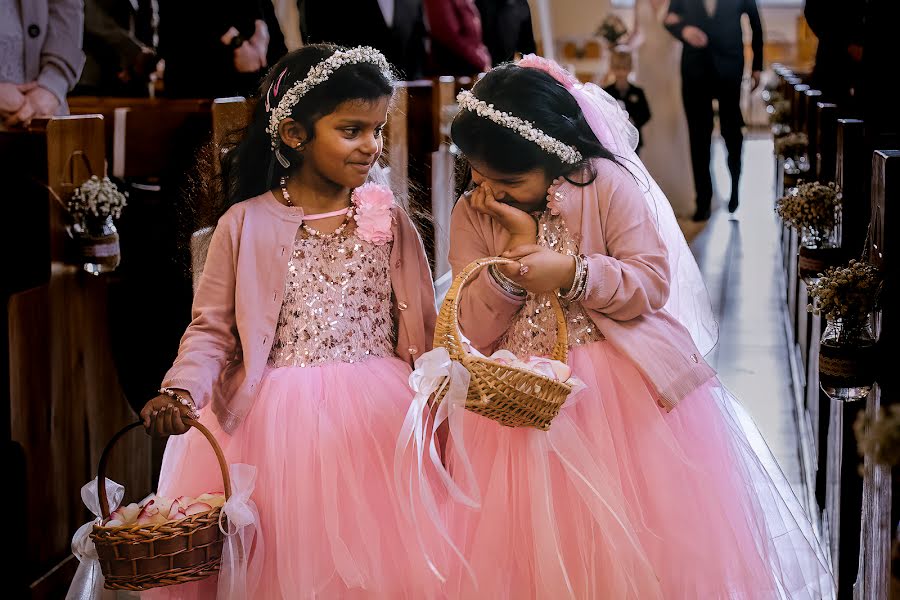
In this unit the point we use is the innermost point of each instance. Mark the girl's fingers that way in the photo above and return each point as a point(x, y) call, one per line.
point(178, 424)
point(158, 423)
point(522, 251)
point(476, 199)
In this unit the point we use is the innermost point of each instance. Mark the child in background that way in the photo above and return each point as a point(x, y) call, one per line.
point(629, 96)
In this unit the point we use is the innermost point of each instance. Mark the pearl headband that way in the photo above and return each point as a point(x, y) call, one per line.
point(568, 154)
point(318, 74)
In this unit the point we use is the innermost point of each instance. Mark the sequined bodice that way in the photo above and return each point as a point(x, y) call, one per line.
point(337, 303)
point(533, 332)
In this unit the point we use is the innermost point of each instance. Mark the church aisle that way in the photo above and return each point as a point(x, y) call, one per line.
point(740, 261)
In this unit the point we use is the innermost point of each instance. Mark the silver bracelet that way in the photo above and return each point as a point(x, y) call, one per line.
point(579, 282)
point(508, 285)
point(195, 414)
point(573, 288)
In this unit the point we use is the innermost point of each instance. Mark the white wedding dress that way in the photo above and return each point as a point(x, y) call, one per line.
point(666, 151)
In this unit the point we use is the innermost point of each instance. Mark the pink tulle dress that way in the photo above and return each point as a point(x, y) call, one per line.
point(322, 435)
point(622, 500)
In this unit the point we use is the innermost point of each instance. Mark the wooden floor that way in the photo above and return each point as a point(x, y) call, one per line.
point(739, 257)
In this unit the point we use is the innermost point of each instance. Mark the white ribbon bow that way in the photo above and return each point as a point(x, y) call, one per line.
point(88, 581)
point(435, 372)
point(237, 574)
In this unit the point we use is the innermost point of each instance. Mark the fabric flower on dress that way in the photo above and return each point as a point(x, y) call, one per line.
point(373, 204)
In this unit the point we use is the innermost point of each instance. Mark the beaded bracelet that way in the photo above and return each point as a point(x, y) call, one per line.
point(195, 414)
point(508, 285)
point(579, 283)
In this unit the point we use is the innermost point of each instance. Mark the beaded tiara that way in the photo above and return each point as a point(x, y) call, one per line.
point(568, 154)
point(319, 73)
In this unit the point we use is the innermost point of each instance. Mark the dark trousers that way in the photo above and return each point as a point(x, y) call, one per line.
point(698, 92)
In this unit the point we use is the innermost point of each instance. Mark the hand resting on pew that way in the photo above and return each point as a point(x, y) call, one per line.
point(19, 104)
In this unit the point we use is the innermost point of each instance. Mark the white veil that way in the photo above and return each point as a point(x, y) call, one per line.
point(688, 298)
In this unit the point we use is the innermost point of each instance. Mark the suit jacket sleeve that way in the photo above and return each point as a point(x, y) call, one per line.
point(676, 7)
point(99, 25)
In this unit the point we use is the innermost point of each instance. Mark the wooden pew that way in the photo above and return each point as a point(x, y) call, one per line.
point(410, 141)
point(824, 148)
point(170, 115)
point(852, 175)
point(802, 318)
point(229, 117)
point(811, 100)
point(845, 487)
point(826, 141)
point(60, 391)
point(879, 493)
point(798, 107)
point(153, 144)
point(444, 161)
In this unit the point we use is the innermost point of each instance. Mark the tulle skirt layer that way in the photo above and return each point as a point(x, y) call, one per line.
point(332, 526)
point(620, 499)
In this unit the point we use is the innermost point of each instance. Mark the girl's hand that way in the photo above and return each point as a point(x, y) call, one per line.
point(163, 416)
point(544, 270)
point(521, 226)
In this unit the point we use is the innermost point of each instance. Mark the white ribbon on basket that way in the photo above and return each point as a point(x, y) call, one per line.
point(237, 573)
point(435, 371)
point(88, 581)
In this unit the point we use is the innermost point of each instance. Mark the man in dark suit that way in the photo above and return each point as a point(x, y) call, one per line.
point(217, 48)
point(118, 47)
point(395, 27)
point(839, 27)
point(507, 28)
point(712, 67)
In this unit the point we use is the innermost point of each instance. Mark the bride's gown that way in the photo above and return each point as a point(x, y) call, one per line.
point(666, 151)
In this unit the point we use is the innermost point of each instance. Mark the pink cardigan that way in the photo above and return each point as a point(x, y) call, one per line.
point(628, 280)
point(224, 350)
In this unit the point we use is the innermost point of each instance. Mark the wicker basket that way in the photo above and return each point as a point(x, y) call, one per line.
point(513, 397)
point(141, 557)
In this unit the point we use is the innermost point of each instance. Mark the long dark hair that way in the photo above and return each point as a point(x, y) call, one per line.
point(534, 96)
point(249, 167)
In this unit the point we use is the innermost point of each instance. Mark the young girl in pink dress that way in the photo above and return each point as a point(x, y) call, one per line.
point(315, 298)
point(652, 482)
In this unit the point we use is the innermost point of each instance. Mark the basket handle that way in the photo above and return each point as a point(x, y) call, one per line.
point(101, 469)
point(452, 340)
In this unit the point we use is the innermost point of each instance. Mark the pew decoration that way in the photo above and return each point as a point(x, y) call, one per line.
point(613, 30)
point(794, 148)
point(813, 209)
point(93, 208)
point(878, 437)
point(846, 297)
point(779, 110)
